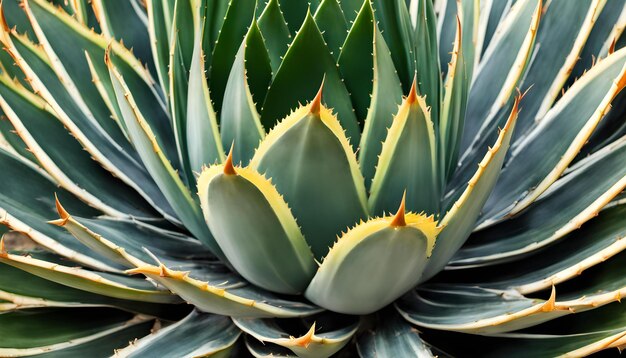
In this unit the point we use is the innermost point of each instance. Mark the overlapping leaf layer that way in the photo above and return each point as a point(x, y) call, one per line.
point(385, 178)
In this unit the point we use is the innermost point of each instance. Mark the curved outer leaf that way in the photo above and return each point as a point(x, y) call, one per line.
point(77, 332)
point(25, 183)
point(16, 18)
point(246, 301)
point(275, 33)
point(334, 333)
point(260, 349)
point(12, 143)
point(111, 285)
point(60, 155)
point(598, 240)
point(596, 183)
point(255, 235)
point(35, 292)
point(477, 310)
point(69, 65)
point(327, 193)
point(199, 334)
point(608, 27)
point(355, 276)
point(35, 65)
point(561, 37)
point(408, 161)
point(306, 63)
point(473, 308)
point(532, 169)
point(133, 243)
point(240, 122)
point(572, 336)
point(178, 195)
point(204, 146)
point(459, 221)
point(392, 337)
point(497, 77)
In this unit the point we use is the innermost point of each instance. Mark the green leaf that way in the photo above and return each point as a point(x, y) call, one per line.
point(107, 284)
point(130, 242)
point(392, 337)
point(605, 30)
point(63, 158)
point(351, 8)
point(65, 47)
point(295, 12)
point(580, 250)
point(474, 308)
point(331, 22)
point(27, 202)
point(181, 55)
point(204, 146)
point(160, 16)
point(306, 63)
point(426, 57)
point(327, 193)
point(275, 32)
point(575, 336)
point(317, 336)
point(215, 14)
point(199, 334)
point(238, 301)
point(77, 332)
point(266, 350)
point(396, 27)
point(490, 18)
point(477, 310)
point(496, 78)
point(453, 107)
point(408, 162)
point(532, 169)
point(460, 220)
point(356, 71)
point(446, 28)
point(34, 291)
point(374, 263)
point(238, 17)
point(168, 180)
point(126, 22)
point(16, 18)
point(11, 142)
point(572, 200)
point(255, 235)
point(240, 121)
point(386, 98)
point(123, 164)
point(553, 63)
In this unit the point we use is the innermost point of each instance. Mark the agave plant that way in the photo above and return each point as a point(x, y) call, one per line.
point(309, 178)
